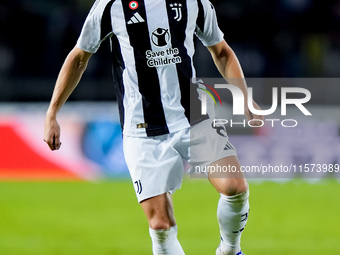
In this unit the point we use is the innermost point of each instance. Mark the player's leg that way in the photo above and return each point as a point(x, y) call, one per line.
point(156, 169)
point(233, 205)
point(210, 147)
point(231, 182)
point(162, 225)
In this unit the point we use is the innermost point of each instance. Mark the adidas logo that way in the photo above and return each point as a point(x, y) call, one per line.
point(136, 18)
point(228, 146)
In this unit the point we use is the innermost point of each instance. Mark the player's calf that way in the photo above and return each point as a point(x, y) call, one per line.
point(162, 225)
point(232, 215)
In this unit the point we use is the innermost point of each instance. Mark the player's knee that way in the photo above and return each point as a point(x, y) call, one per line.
point(159, 222)
point(234, 186)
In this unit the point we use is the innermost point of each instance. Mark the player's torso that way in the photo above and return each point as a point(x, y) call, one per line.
point(157, 29)
point(157, 46)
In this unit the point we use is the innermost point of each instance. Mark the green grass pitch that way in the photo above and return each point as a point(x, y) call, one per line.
point(104, 218)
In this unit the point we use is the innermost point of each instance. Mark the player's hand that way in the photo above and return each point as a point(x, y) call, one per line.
point(257, 119)
point(52, 133)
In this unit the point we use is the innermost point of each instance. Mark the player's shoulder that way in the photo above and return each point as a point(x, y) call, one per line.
point(100, 5)
point(205, 3)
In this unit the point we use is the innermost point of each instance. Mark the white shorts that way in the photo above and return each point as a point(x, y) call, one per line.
point(208, 144)
point(156, 164)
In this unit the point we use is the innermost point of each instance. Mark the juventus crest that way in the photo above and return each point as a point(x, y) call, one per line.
point(178, 9)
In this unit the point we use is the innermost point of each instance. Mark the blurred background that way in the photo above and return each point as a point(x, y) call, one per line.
point(283, 38)
point(279, 43)
point(272, 39)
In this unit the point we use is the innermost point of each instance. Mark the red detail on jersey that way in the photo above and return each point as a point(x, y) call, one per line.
point(133, 5)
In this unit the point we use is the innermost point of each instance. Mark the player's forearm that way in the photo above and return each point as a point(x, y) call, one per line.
point(68, 78)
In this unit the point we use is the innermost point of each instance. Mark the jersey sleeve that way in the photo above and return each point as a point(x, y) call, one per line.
point(207, 29)
point(97, 27)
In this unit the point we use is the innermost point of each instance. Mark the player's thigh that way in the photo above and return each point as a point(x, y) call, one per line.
point(154, 164)
point(229, 181)
point(213, 155)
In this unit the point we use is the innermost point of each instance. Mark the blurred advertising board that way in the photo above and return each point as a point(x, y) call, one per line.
point(91, 142)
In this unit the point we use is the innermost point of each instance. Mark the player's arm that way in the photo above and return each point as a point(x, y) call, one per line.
point(68, 78)
point(228, 65)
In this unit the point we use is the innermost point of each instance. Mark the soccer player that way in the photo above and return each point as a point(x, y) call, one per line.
point(152, 43)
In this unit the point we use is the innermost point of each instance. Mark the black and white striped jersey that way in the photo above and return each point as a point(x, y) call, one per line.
point(152, 45)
